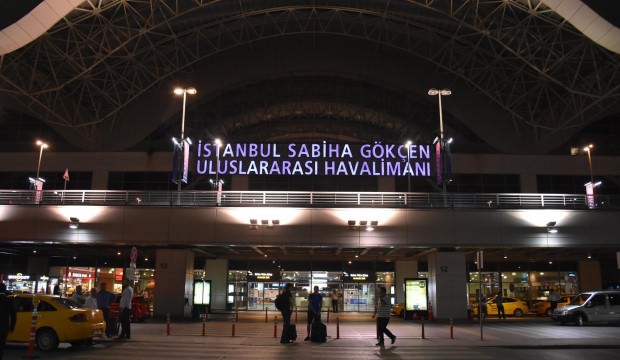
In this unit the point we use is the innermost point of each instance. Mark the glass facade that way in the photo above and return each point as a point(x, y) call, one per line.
point(529, 286)
point(249, 290)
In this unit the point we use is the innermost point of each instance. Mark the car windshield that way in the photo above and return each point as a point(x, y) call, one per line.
point(580, 299)
point(67, 303)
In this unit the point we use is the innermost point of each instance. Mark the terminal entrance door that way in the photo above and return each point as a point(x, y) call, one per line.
point(261, 295)
point(358, 297)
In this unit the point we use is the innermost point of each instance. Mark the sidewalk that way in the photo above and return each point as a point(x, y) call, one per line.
point(359, 329)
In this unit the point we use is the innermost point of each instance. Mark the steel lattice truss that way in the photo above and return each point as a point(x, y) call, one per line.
point(106, 54)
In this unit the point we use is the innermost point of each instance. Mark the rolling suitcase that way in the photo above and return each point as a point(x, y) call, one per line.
point(318, 332)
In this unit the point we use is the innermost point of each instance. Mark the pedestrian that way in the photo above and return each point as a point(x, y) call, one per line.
point(91, 299)
point(8, 318)
point(499, 301)
point(315, 300)
point(286, 309)
point(124, 308)
point(58, 288)
point(77, 296)
point(104, 299)
point(335, 300)
point(383, 310)
point(482, 307)
point(554, 298)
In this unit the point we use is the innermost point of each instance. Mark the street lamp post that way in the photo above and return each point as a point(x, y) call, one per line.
point(439, 94)
point(591, 186)
point(408, 146)
point(587, 149)
point(42, 146)
point(183, 91)
point(218, 182)
point(37, 182)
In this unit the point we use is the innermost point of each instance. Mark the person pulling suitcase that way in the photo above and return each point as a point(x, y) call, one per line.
point(316, 329)
point(284, 302)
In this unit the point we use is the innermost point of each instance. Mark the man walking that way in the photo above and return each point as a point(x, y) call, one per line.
point(8, 317)
point(383, 310)
point(125, 310)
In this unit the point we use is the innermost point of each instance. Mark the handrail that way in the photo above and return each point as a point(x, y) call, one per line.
point(307, 199)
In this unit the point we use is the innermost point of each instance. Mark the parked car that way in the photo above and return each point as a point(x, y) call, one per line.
point(512, 306)
point(140, 308)
point(59, 320)
point(595, 306)
point(544, 307)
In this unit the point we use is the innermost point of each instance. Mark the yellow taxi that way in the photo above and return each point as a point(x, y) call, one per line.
point(512, 306)
point(397, 309)
point(58, 320)
point(544, 307)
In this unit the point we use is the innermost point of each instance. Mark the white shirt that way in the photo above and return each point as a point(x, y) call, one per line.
point(126, 297)
point(91, 302)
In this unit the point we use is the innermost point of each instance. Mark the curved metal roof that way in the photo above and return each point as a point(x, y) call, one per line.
point(524, 79)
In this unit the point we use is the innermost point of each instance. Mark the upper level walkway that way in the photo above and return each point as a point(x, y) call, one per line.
point(308, 199)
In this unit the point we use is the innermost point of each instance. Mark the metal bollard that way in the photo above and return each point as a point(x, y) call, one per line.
point(422, 317)
point(233, 329)
point(275, 326)
point(204, 325)
point(168, 324)
point(266, 315)
point(295, 313)
point(327, 316)
point(451, 329)
point(337, 327)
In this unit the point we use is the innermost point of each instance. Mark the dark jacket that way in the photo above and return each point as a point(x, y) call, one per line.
point(8, 318)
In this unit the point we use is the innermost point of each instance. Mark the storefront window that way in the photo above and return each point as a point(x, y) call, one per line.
point(529, 286)
point(355, 291)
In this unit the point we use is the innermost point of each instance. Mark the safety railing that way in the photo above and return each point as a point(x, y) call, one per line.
point(307, 199)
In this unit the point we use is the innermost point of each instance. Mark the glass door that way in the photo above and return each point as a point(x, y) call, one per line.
point(358, 297)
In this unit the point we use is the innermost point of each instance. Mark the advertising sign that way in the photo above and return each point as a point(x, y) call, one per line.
point(202, 292)
point(416, 294)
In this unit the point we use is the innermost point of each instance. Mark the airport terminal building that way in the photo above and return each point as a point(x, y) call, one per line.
point(213, 152)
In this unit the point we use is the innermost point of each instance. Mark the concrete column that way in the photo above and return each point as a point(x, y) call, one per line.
point(174, 279)
point(447, 288)
point(590, 275)
point(216, 271)
point(403, 270)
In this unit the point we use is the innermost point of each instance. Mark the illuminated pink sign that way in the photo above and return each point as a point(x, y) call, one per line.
point(324, 158)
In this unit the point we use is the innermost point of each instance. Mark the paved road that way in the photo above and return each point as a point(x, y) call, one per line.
point(354, 338)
